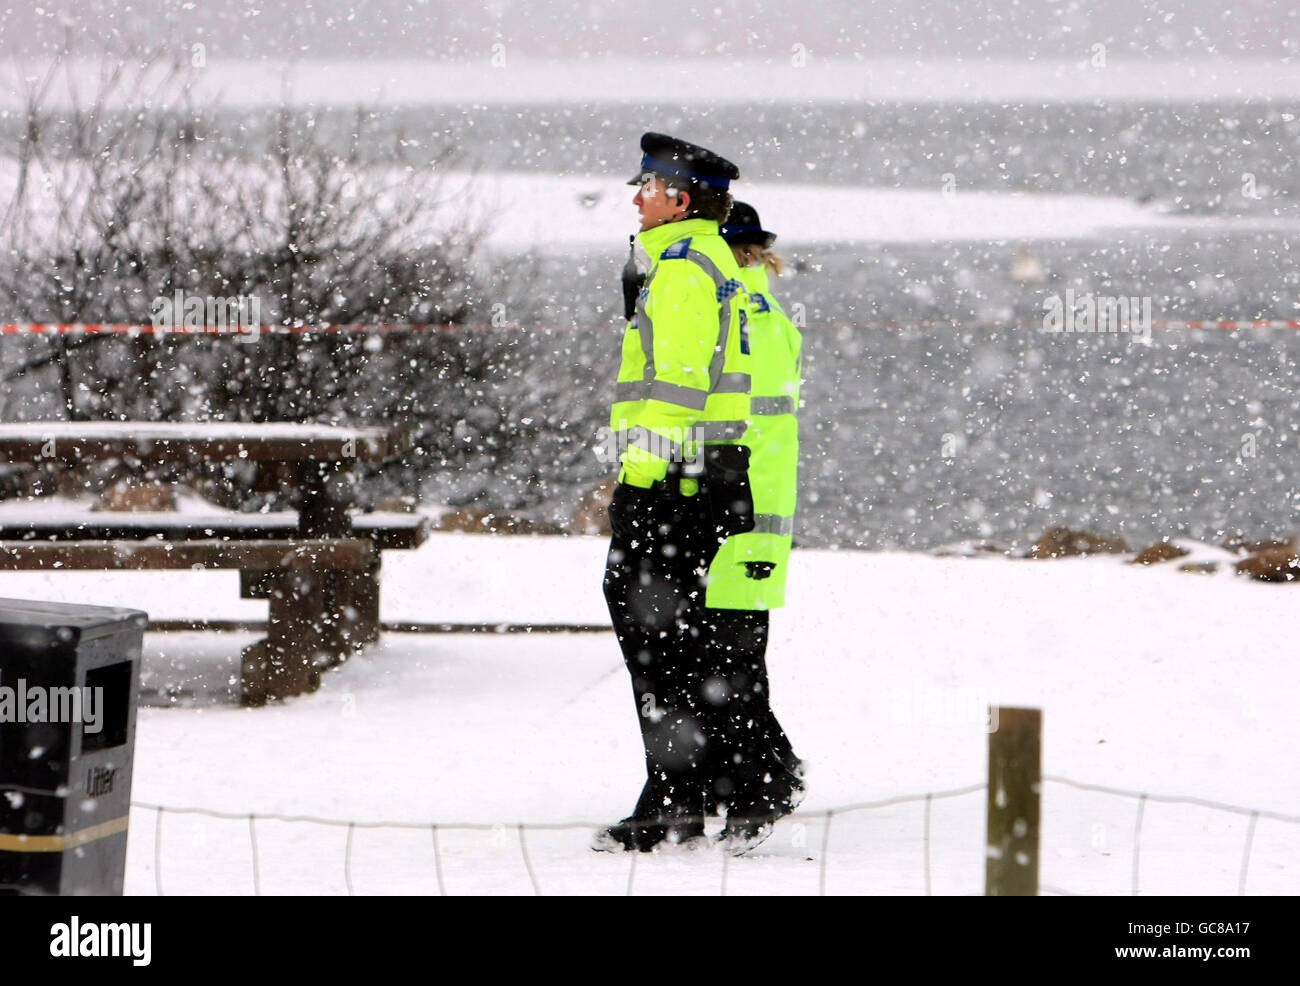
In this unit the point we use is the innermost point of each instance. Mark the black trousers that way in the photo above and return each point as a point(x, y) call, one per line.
point(751, 749)
point(699, 675)
point(652, 587)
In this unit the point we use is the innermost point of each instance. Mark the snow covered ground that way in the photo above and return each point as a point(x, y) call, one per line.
point(1150, 680)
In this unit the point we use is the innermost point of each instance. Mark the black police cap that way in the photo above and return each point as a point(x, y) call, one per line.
point(672, 158)
point(744, 226)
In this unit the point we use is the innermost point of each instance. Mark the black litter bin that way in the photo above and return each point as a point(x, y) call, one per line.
point(69, 679)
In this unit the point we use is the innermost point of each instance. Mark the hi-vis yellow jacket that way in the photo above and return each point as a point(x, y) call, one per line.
point(773, 439)
point(684, 379)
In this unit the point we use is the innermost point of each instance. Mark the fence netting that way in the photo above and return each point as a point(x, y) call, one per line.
point(521, 835)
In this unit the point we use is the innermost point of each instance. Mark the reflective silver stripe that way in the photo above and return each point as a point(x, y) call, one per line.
point(661, 390)
point(646, 327)
point(719, 431)
point(732, 383)
point(679, 394)
point(720, 353)
point(647, 441)
point(724, 317)
point(771, 405)
point(773, 524)
point(709, 266)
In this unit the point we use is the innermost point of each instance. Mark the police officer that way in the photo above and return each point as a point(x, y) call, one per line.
point(753, 770)
point(681, 407)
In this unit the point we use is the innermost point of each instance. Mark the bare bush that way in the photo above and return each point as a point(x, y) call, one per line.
point(114, 208)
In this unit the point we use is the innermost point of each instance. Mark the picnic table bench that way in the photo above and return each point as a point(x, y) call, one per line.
point(318, 567)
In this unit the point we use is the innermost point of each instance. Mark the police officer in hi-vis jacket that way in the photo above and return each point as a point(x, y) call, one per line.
point(753, 770)
point(680, 411)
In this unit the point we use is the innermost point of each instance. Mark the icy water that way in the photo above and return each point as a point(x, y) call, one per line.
point(1193, 157)
point(1002, 432)
point(915, 435)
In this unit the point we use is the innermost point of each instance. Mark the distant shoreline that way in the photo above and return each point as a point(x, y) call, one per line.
point(529, 81)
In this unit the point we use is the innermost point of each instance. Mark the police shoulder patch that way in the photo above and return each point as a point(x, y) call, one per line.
point(677, 251)
point(728, 288)
point(760, 302)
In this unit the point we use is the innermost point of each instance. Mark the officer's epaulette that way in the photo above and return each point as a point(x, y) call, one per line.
point(677, 251)
point(760, 303)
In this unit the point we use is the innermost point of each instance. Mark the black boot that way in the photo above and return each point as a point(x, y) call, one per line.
point(756, 808)
point(667, 812)
point(642, 835)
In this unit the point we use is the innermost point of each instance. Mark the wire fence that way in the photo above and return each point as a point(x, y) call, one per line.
point(826, 816)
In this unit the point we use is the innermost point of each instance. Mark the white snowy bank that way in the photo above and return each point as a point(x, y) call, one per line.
point(578, 214)
point(573, 211)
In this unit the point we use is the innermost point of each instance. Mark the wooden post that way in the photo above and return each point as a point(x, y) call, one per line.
point(284, 663)
point(324, 497)
point(364, 617)
point(1015, 782)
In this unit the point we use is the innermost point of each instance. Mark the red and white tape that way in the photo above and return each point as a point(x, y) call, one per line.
point(91, 328)
point(96, 328)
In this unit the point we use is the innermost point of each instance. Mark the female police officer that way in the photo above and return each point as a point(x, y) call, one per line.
point(752, 768)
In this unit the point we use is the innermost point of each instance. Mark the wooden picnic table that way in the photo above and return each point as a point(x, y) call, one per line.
point(320, 576)
point(322, 455)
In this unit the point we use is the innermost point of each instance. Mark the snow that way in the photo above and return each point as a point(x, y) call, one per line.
point(505, 750)
point(716, 81)
point(1150, 680)
point(574, 213)
point(527, 210)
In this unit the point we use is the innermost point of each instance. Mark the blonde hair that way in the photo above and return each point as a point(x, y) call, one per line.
point(755, 254)
point(774, 262)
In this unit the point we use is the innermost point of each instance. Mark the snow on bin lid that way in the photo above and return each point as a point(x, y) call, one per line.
point(31, 620)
